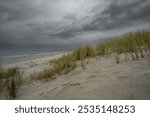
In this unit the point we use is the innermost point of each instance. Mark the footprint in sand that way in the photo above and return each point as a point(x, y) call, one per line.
point(71, 84)
point(90, 77)
point(48, 91)
point(115, 72)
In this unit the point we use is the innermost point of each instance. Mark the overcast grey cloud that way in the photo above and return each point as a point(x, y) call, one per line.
point(69, 22)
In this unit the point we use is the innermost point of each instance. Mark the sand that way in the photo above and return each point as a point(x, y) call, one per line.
point(33, 65)
point(101, 78)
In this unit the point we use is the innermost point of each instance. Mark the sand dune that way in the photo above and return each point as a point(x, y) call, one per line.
point(102, 78)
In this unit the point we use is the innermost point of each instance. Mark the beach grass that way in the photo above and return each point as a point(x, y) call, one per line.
point(10, 80)
point(133, 45)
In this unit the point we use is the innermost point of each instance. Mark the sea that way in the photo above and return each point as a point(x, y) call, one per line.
point(18, 55)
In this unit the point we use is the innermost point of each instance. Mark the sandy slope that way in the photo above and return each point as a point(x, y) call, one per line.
point(101, 79)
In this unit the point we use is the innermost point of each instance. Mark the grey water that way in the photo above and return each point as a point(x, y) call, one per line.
point(14, 55)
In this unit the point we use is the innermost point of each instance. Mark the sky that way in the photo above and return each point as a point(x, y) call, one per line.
point(65, 24)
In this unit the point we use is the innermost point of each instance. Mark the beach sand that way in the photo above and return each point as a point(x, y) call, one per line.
point(101, 78)
point(33, 65)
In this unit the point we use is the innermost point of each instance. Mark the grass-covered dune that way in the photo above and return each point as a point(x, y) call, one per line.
point(135, 45)
point(132, 46)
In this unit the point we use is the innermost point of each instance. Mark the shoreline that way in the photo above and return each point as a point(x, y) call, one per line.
point(32, 59)
point(32, 66)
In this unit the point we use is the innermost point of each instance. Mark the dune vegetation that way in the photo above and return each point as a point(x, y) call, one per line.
point(133, 45)
point(10, 81)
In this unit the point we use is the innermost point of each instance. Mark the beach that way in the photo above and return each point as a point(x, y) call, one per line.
point(101, 78)
point(32, 65)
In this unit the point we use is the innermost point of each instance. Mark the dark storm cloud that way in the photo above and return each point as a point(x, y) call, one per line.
point(15, 10)
point(68, 22)
point(119, 15)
